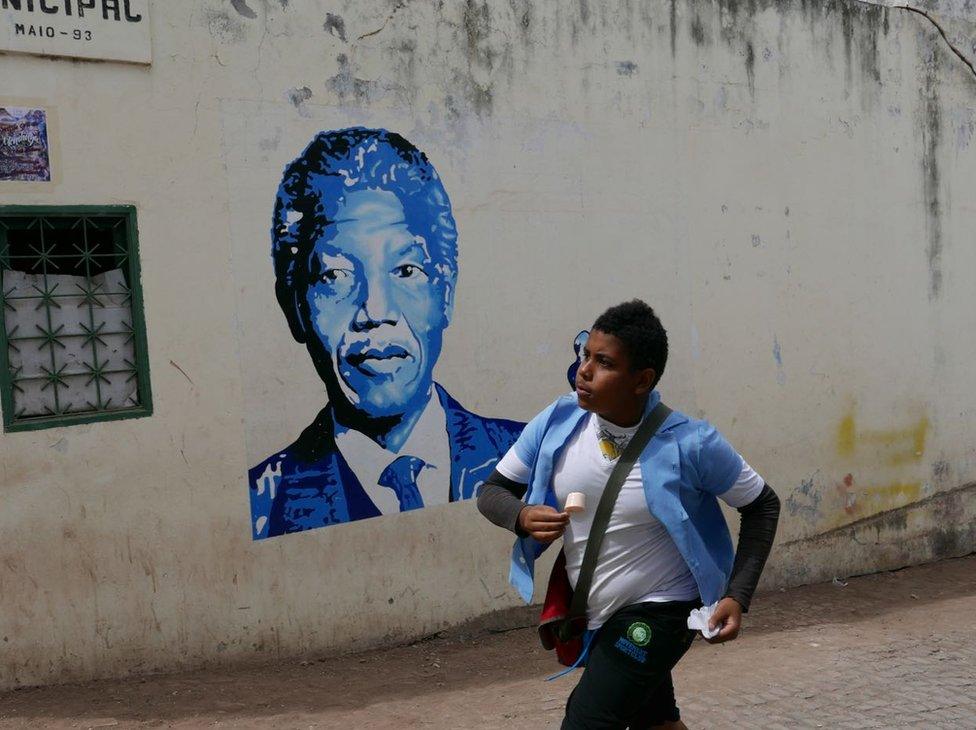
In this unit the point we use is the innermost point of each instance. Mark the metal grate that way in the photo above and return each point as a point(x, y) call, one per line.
point(71, 314)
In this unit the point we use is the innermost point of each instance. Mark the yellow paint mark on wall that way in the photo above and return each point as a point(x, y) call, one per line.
point(860, 501)
point(893, 495)
point(896, 446)
point(914, 435)
point(846, 436)
point(889, 460)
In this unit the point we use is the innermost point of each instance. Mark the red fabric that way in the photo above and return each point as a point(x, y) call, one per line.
point(555, 610)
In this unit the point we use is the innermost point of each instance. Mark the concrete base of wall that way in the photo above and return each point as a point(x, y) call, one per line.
point(940, 526)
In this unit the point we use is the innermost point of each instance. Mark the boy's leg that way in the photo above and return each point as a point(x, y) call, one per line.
point(630, 656)
point(660, 710)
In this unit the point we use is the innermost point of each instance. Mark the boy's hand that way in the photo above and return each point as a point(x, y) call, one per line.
point(543, 522)
point(728, 615)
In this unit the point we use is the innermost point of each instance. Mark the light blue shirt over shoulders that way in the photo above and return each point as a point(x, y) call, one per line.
point(686, 465)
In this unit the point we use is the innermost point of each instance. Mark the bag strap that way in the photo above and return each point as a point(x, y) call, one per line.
point(650, 426)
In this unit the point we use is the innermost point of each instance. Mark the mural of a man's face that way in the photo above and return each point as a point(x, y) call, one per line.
point(376, 305)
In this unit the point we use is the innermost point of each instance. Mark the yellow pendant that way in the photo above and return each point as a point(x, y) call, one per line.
point(609, 449)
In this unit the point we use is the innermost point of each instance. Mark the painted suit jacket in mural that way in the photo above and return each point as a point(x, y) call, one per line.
point(309, 484)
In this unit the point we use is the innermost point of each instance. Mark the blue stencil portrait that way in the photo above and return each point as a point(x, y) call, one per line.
point(364, 247)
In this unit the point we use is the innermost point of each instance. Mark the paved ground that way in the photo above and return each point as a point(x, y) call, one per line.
point(890, 650)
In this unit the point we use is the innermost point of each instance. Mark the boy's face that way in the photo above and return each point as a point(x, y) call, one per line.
point(606, 382)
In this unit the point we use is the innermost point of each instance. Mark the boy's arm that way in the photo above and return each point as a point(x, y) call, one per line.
point(757, 530)
point(500, 497)
point(756, 533)
point(500, 500)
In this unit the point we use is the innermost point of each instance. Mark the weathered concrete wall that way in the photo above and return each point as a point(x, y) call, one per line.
point(787, 183)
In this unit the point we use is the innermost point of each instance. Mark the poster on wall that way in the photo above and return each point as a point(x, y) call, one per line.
point(104, 30)
point(360, 259)
point(24, 145)
point(364, 251)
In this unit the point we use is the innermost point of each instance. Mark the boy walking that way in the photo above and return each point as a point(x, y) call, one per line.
point(666, 549)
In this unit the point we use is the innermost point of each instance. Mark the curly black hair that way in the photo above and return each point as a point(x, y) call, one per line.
point(636, 325)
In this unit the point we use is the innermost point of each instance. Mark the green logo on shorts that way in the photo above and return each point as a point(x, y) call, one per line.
point(639, 633)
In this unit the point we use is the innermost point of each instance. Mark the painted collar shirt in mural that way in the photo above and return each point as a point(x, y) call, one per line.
point(426, 442)
point(311, 484)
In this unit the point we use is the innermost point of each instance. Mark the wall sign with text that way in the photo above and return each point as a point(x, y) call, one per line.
point(105, 30)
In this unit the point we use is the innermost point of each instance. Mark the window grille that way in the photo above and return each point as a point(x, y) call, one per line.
point(72, 334)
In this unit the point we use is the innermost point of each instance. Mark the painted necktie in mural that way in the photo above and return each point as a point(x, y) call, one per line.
point(364, 246)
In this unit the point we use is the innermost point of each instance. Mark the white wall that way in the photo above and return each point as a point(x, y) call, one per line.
point(788, 184)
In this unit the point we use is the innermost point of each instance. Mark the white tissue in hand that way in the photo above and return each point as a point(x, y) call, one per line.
point(698, 620)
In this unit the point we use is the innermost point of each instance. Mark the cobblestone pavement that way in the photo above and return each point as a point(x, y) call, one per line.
point(831, 678)
point(883, 651)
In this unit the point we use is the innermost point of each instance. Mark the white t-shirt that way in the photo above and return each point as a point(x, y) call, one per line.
point(638, 560)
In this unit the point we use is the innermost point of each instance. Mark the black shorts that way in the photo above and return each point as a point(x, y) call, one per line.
point(627, 680)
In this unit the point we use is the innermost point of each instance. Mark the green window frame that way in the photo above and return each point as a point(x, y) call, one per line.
point(72, 332)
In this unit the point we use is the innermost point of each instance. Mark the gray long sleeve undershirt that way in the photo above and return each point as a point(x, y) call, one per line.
point(500, 500)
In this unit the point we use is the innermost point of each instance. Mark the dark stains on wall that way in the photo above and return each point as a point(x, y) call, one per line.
point(737, 29)
point(224, 28)
point(946, 543)
point(893, 539)
point(242, 9)
point(895, 520)
point(751, 68)
point(452, 108)
point(583, 23)
point(494, 38)
point(847, 30)
point(674, 27)
point(521, 14)
point(345, 84)
point(584, 8)
point(299, 96)
point(698, 30)
point(941, 471)
point(626, 68)
point(952, 539)
point(732, 30)
point(480, 96)
point(647, 17)
point(498, 37)
point(860, 25)
point(476, 21)
point(405, 61)
point(620, 19)
point(406, 56)
point(476, 27)
point(335, 25)
point(948, 509)
point(930, 127)
point(873, 17)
